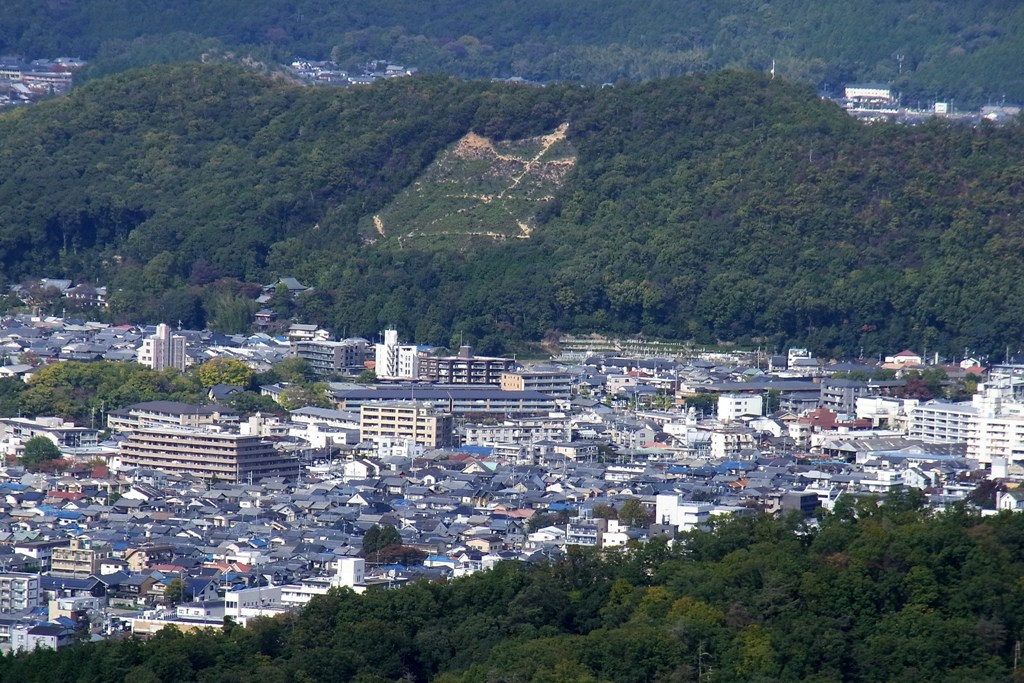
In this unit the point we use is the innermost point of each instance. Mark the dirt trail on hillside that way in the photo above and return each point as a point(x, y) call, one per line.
point(546, 143)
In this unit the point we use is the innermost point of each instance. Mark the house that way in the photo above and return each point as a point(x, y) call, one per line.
point(1011, 500)
point(905, 357)
point(52, 636)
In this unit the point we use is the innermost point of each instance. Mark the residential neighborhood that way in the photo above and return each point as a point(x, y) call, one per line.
point(172, 513)
point(24, 82)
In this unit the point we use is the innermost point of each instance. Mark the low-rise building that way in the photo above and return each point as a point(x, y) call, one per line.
point(81, 558)
point(553, 383)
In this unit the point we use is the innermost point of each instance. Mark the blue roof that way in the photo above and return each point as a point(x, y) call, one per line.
point(476, 450)
point(733, 465)
point(440, 558)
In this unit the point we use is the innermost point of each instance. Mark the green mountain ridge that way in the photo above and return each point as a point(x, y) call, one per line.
point(723, 205)
point(927, 48)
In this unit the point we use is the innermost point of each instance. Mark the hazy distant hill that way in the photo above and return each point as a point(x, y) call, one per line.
point(966, 50)
point(724, 205)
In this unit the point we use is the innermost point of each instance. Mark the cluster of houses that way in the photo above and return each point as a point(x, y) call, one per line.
point(326, 72)
point(24, 82)
point(189, 515)
point(28, 81)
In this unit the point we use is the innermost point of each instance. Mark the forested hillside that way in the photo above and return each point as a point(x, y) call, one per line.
point(723, 206)
point(966, 50)
point(882, 592)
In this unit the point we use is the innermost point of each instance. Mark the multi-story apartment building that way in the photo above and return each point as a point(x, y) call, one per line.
point(168, 414)
point(517, 432)
point(465, 368)
point(328, 358)
point(840, 395)
point(941, 422)
point(224, 456)
point(553, 383)
point(992, 424)
point(80, 559)
point(163, 350)
point(996, 437)
point(413, 421)
point(18, 591)
point(41, 552)
point(729, 442)
point(674, 510)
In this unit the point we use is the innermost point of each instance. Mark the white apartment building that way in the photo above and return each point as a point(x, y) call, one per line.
point(350, 572)
point(245, 603)
point(517, 431)
point(997, 437)
point(163, 350)
point(941, 422)
point(684, 515)
point(394, 360)
point(992, 424)
point(18, 591)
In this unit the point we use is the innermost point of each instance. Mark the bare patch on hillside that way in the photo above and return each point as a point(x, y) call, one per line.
point(481, 188)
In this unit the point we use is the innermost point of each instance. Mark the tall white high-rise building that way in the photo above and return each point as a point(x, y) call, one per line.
point(163, 350)
point(394, 360)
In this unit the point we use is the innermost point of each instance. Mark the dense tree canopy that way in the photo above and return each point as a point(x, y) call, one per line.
point(965, 50)
point(229, 371)
point(720, 206)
